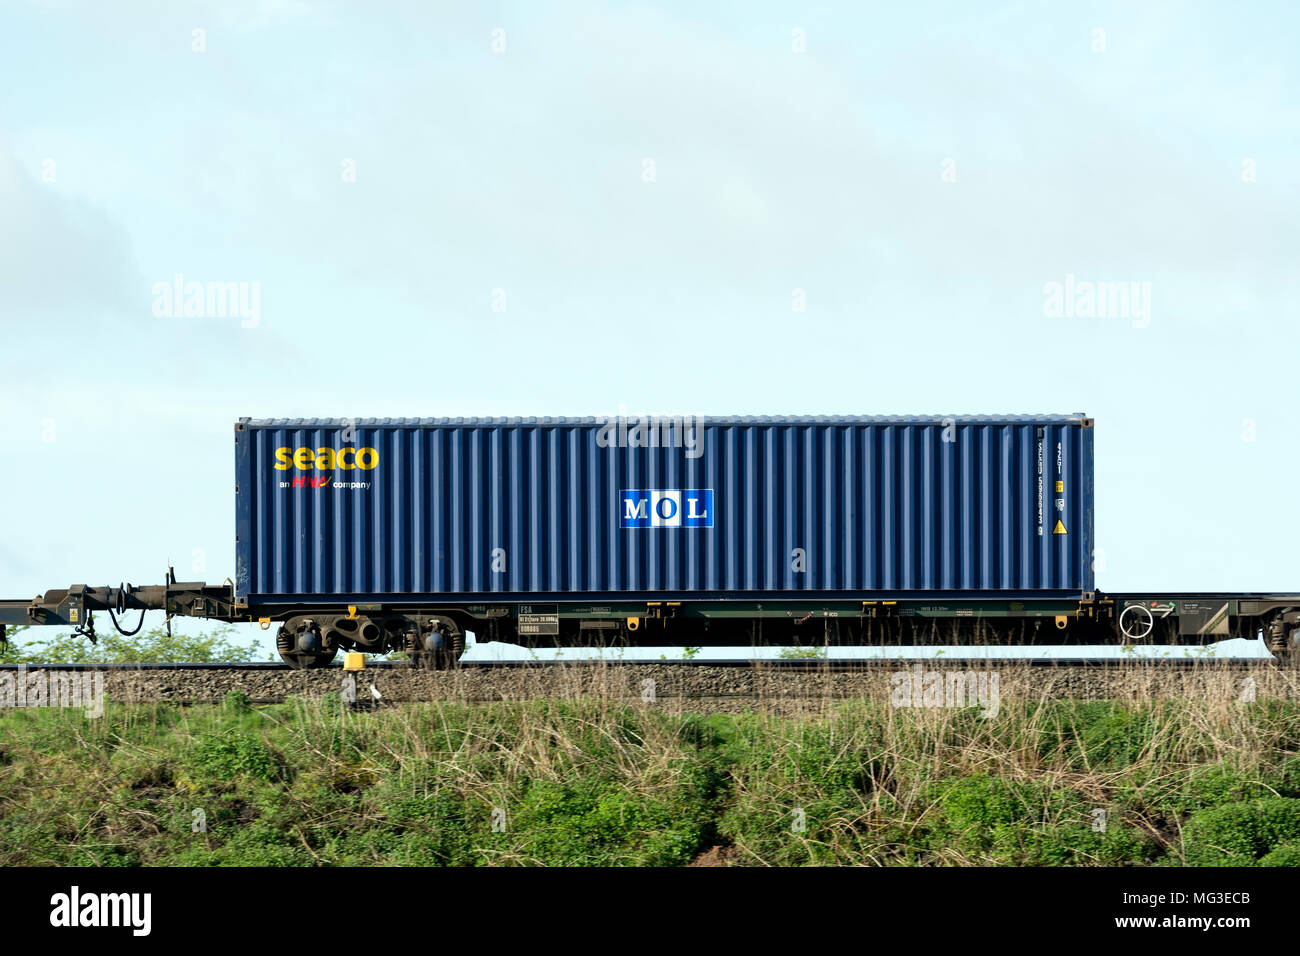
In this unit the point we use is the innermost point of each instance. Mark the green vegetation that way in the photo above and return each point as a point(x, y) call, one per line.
point(595, 782)
point(804, 653)
point(152, 646)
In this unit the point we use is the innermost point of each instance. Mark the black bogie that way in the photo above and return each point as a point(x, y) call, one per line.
point(307, 641)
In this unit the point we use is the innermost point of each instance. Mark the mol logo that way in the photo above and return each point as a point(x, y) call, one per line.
point(666, 508)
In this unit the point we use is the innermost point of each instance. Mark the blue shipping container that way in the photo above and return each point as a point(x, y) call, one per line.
point(559, 509)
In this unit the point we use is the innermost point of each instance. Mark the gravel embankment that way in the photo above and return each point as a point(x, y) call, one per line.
point(703, 687)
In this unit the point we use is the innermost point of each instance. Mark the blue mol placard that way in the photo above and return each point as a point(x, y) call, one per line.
point(666, 508)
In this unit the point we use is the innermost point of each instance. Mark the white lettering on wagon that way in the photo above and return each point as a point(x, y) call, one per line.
point(1039, 486)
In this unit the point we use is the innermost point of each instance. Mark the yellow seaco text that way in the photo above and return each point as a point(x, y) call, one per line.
point(326, 459)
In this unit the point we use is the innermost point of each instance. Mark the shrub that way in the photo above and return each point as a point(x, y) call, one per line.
point(1239, 834)
point(226, 757)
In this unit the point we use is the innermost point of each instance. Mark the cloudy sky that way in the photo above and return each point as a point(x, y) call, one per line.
point(498, 208)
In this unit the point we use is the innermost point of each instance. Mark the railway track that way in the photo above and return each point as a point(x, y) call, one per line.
point(699, 685)
point(799, 665)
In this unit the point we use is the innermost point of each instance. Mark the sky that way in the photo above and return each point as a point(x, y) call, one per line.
point(567, 209)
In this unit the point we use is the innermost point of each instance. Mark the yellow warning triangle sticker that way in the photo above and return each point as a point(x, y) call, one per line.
point(1060, 528)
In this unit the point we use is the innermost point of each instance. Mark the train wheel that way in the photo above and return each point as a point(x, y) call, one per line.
point(301, 646)
point(440, 649)
point(301, 661)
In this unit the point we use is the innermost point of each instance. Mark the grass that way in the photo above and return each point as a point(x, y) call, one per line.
point(150, 646)
point(1203, 781)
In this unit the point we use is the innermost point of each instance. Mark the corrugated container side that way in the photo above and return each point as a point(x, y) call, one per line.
point(538, 509)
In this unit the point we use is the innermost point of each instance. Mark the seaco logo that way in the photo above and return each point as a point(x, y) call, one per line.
point(326, 459)
point(666, 508)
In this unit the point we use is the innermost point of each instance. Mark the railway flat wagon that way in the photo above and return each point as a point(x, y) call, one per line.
point(407, 534)
point(655, 529)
